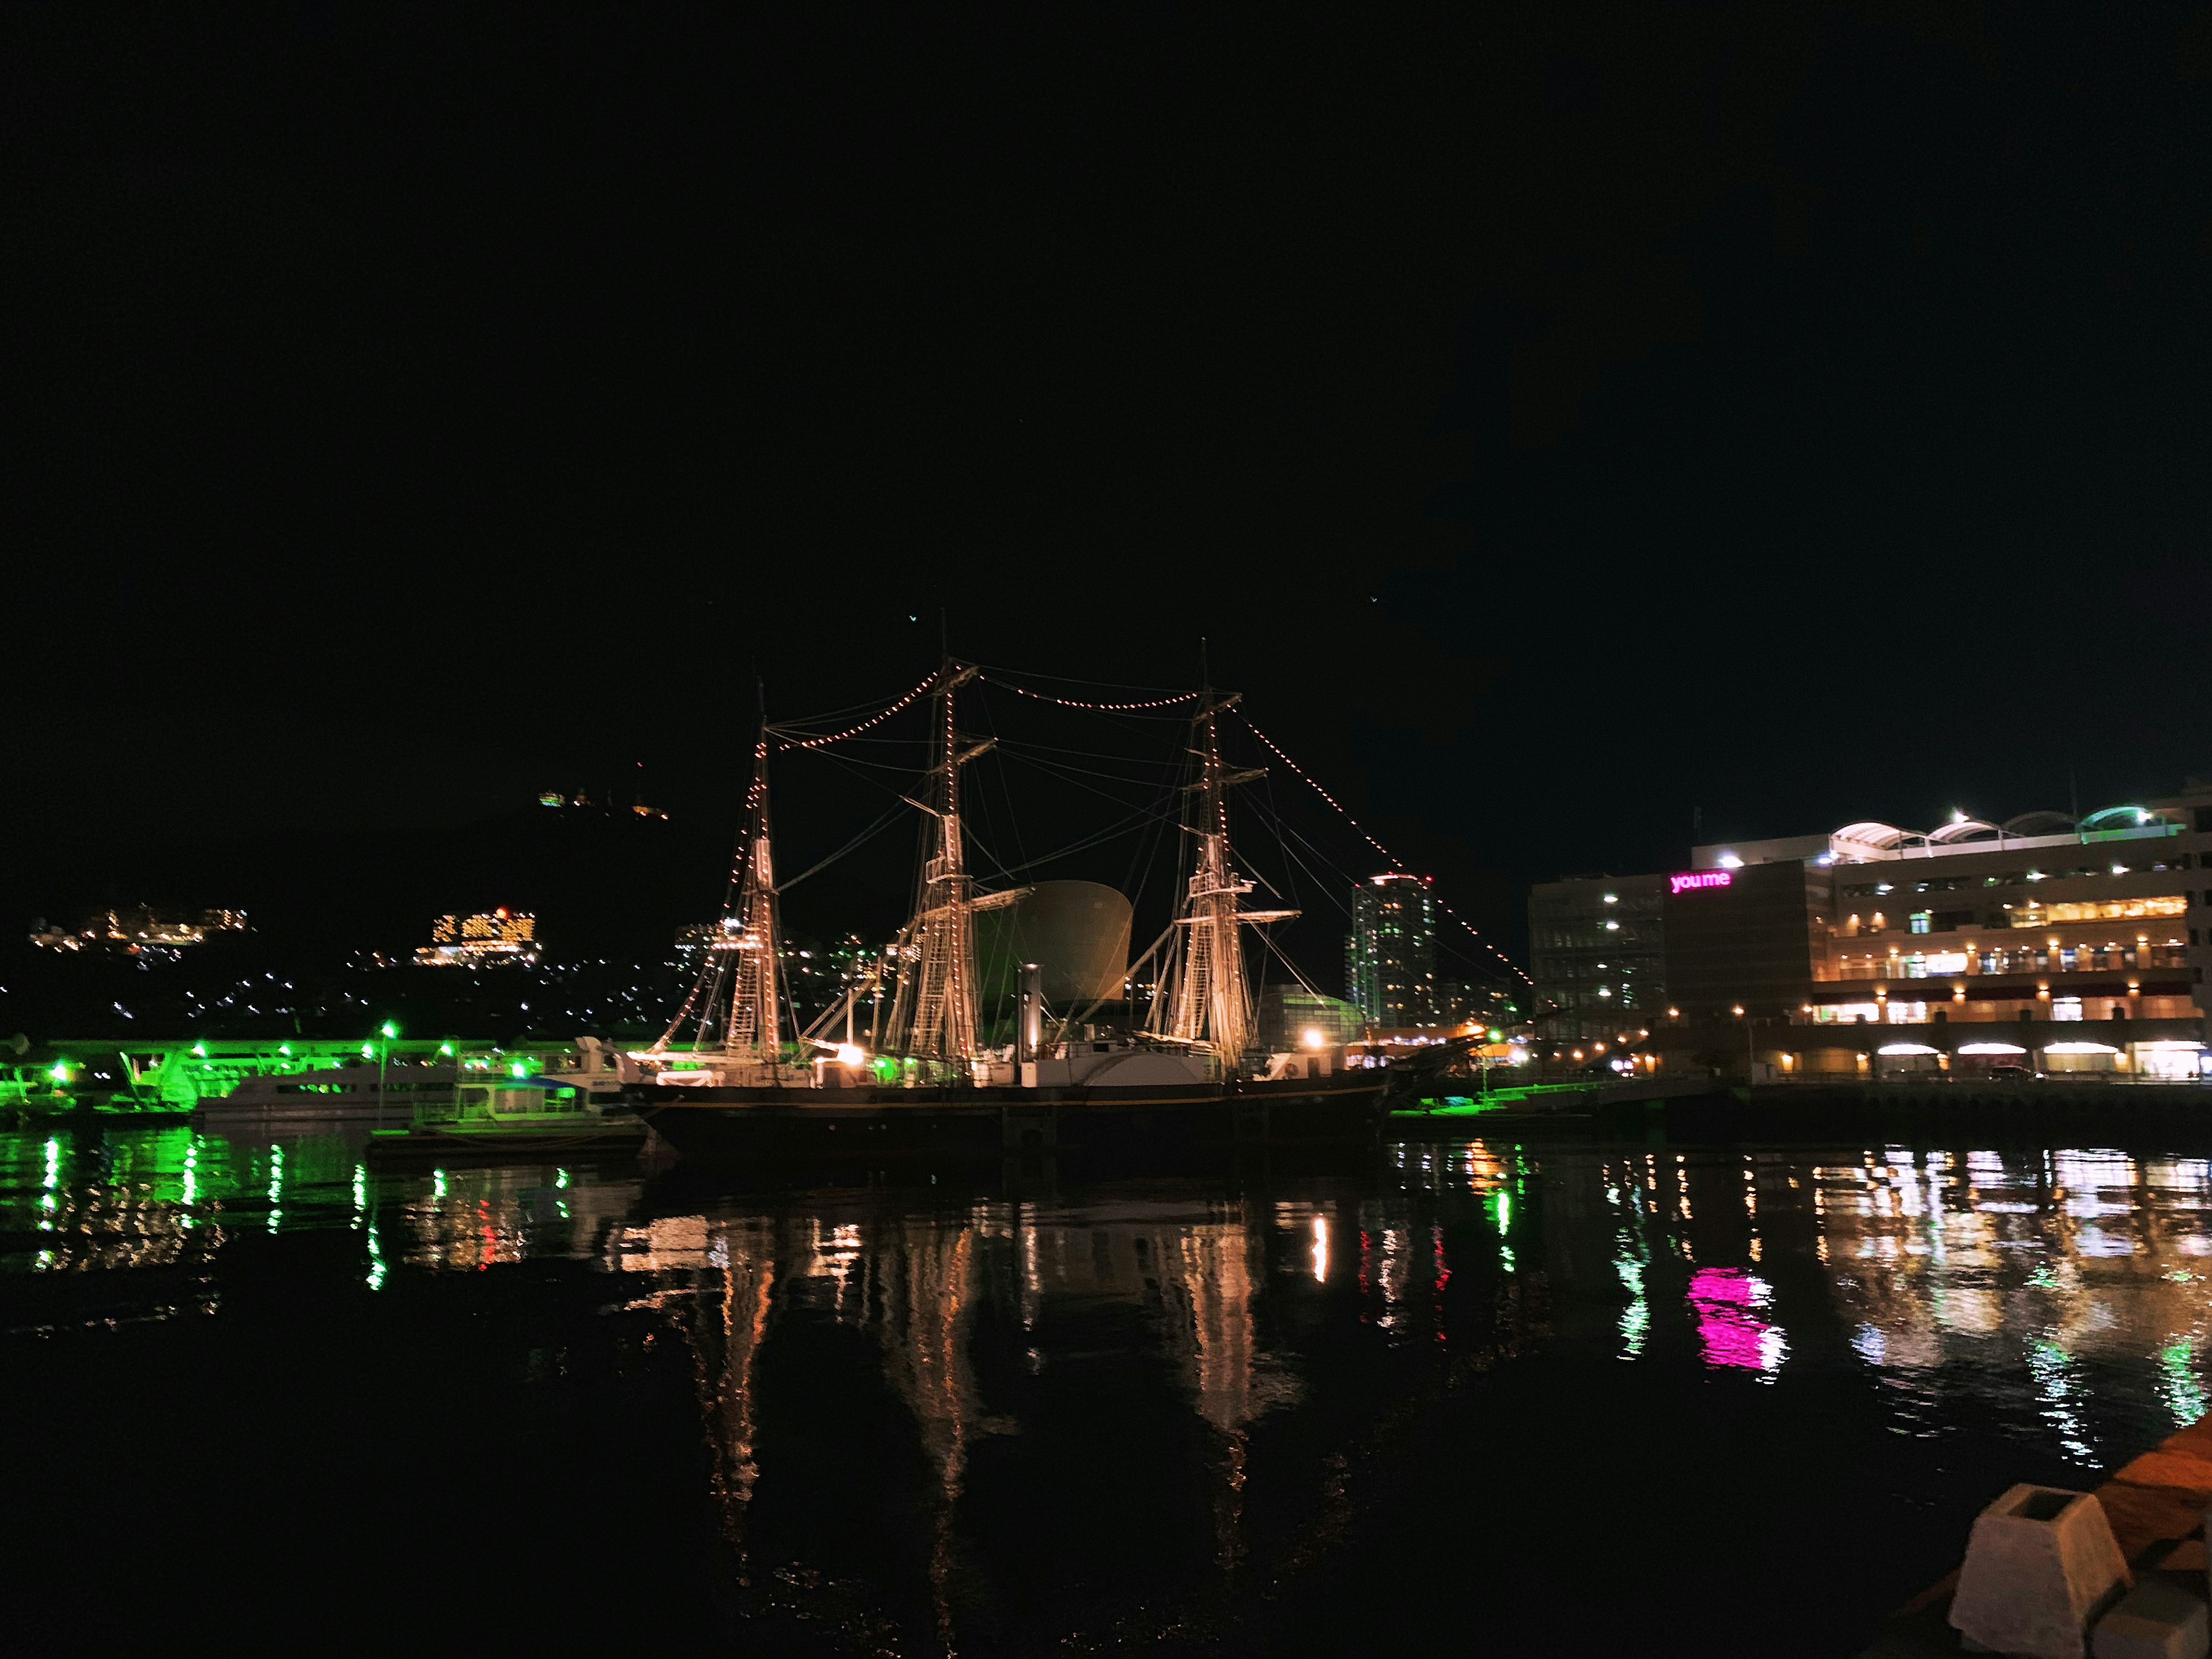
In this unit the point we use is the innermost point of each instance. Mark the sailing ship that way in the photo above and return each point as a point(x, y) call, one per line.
point(1186, 1077)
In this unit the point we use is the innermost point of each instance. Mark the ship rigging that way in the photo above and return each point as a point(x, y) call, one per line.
point(1198, 1028)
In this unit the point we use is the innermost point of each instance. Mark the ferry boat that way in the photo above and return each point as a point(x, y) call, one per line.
point(512, 1117)
point(1187, 1077)
point(340, 1094)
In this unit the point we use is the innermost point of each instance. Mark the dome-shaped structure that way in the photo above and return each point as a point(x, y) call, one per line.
point(2039, 823)
point(1076, 931)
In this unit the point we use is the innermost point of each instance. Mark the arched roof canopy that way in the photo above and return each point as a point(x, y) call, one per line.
point(2119, 817)
point(1964, 830)
point(1882, 837)
point(2039, 823)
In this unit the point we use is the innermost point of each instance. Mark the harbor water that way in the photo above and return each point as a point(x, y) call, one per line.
point(1605, 1399)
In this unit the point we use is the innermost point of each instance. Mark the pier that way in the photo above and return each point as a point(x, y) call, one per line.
point(2155, 1504)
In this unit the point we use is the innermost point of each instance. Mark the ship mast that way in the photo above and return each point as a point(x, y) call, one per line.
point(754, 1030)
point(934, 1015)
point(1210, 1002)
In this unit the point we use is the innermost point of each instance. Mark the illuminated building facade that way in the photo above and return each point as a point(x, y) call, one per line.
point(2052, 944)
point(502, 939)
point(1290, 1017)
point(1596, 953)
point(143, 929)
point(1391, 954)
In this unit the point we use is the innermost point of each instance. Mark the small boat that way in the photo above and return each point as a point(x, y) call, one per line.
point(512, 1117)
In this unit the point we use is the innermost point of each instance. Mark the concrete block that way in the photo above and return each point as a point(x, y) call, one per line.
point(2155, 1620)
point(2187, 1556)
point(2041, 1563)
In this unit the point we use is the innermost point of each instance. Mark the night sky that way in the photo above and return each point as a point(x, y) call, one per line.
point(1555, 428)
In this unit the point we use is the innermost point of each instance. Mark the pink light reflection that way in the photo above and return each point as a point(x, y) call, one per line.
point(1730, 1333)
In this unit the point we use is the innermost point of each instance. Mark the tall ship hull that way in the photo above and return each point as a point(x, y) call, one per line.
point(735, 1125)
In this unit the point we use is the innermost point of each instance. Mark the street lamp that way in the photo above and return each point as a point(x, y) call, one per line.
point(383, 1059)
point(1750, 1066)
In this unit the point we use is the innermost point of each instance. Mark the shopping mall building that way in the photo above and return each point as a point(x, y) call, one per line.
point(2042, 943)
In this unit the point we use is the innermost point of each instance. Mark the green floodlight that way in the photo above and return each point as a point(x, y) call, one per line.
point(390, 1031)
point(519, 1069)
point(60, 1072)
point(368, 1051)
point(200, 1048)
point(445, 1047)
point(285, 1049)
point(1497, 1035)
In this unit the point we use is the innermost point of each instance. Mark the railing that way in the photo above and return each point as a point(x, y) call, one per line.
point(1944, 965)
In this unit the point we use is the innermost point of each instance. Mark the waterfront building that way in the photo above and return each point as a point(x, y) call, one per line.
point(1290, 1017)
point(2043, 942)
point(501, 938)
point(1596, 954)
point(1391, 954)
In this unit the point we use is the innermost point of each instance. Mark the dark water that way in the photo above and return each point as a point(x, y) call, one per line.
point(1471, 1393)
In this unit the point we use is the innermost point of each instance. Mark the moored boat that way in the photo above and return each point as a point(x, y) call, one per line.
point(512, 1117)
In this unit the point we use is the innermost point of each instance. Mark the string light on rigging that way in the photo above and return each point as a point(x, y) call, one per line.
point(1108, 707)
point(784, 740)
point(1396, 863)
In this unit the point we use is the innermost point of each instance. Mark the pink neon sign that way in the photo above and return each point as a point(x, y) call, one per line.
point(1702, 879)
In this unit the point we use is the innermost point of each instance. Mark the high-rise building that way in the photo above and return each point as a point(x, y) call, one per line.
point(1391, 954)
point(1597, 952)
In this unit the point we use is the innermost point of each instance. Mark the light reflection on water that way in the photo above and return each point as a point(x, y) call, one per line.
point(2054, 1301)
